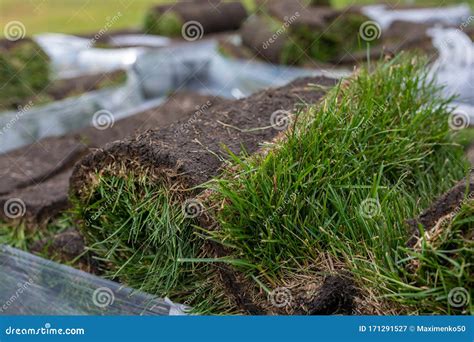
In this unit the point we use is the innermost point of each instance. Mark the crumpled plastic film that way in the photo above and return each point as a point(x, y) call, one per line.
point(34, 286)
point(31, 123)
point(454, 69)
point(73, 56)
point(449, 15)
point(200, 67)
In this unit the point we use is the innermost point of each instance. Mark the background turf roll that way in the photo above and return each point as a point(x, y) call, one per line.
point(24, 71)
point(205, 16)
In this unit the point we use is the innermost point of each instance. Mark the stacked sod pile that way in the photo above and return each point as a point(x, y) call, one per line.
point(290, 32)
point(192, 19)
point(314, 223)
point(24, 71)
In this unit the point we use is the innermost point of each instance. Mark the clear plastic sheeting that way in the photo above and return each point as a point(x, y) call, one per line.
point(31, 123)
point(199, 67)
point(34, 286)
point(146, 40)
point(73, 56)
point(450, 15)
point(454, 68)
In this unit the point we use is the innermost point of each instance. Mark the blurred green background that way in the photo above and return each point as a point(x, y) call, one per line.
point(89, 16)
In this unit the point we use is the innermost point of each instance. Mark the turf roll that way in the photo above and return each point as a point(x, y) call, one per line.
point(291, 33)
point(135, 196)
point(194, 19)
point(24, 71)
point(37, 175)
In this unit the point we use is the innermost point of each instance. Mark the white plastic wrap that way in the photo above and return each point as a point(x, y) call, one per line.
point(25, 126)
point(73, 56)
point(34, 286)
point(450, 15)
point(454, 68)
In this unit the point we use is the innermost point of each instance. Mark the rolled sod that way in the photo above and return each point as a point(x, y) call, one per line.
point(341, 186)
point(38, 174)
point(135, 197)
point(24, 71)
point(290, 33)
point(203, 17)
point(191, 150)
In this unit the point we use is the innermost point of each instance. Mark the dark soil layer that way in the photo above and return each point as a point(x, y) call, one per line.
point(38, 174)
point(66, 247)
point(38, 162)
point(24, 71)
point(336, 296)
point(190, 152)
point(213, 16)
point(449, 202)
point(42, 200)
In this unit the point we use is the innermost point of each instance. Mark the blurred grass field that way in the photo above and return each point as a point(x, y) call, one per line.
point(89, 16)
